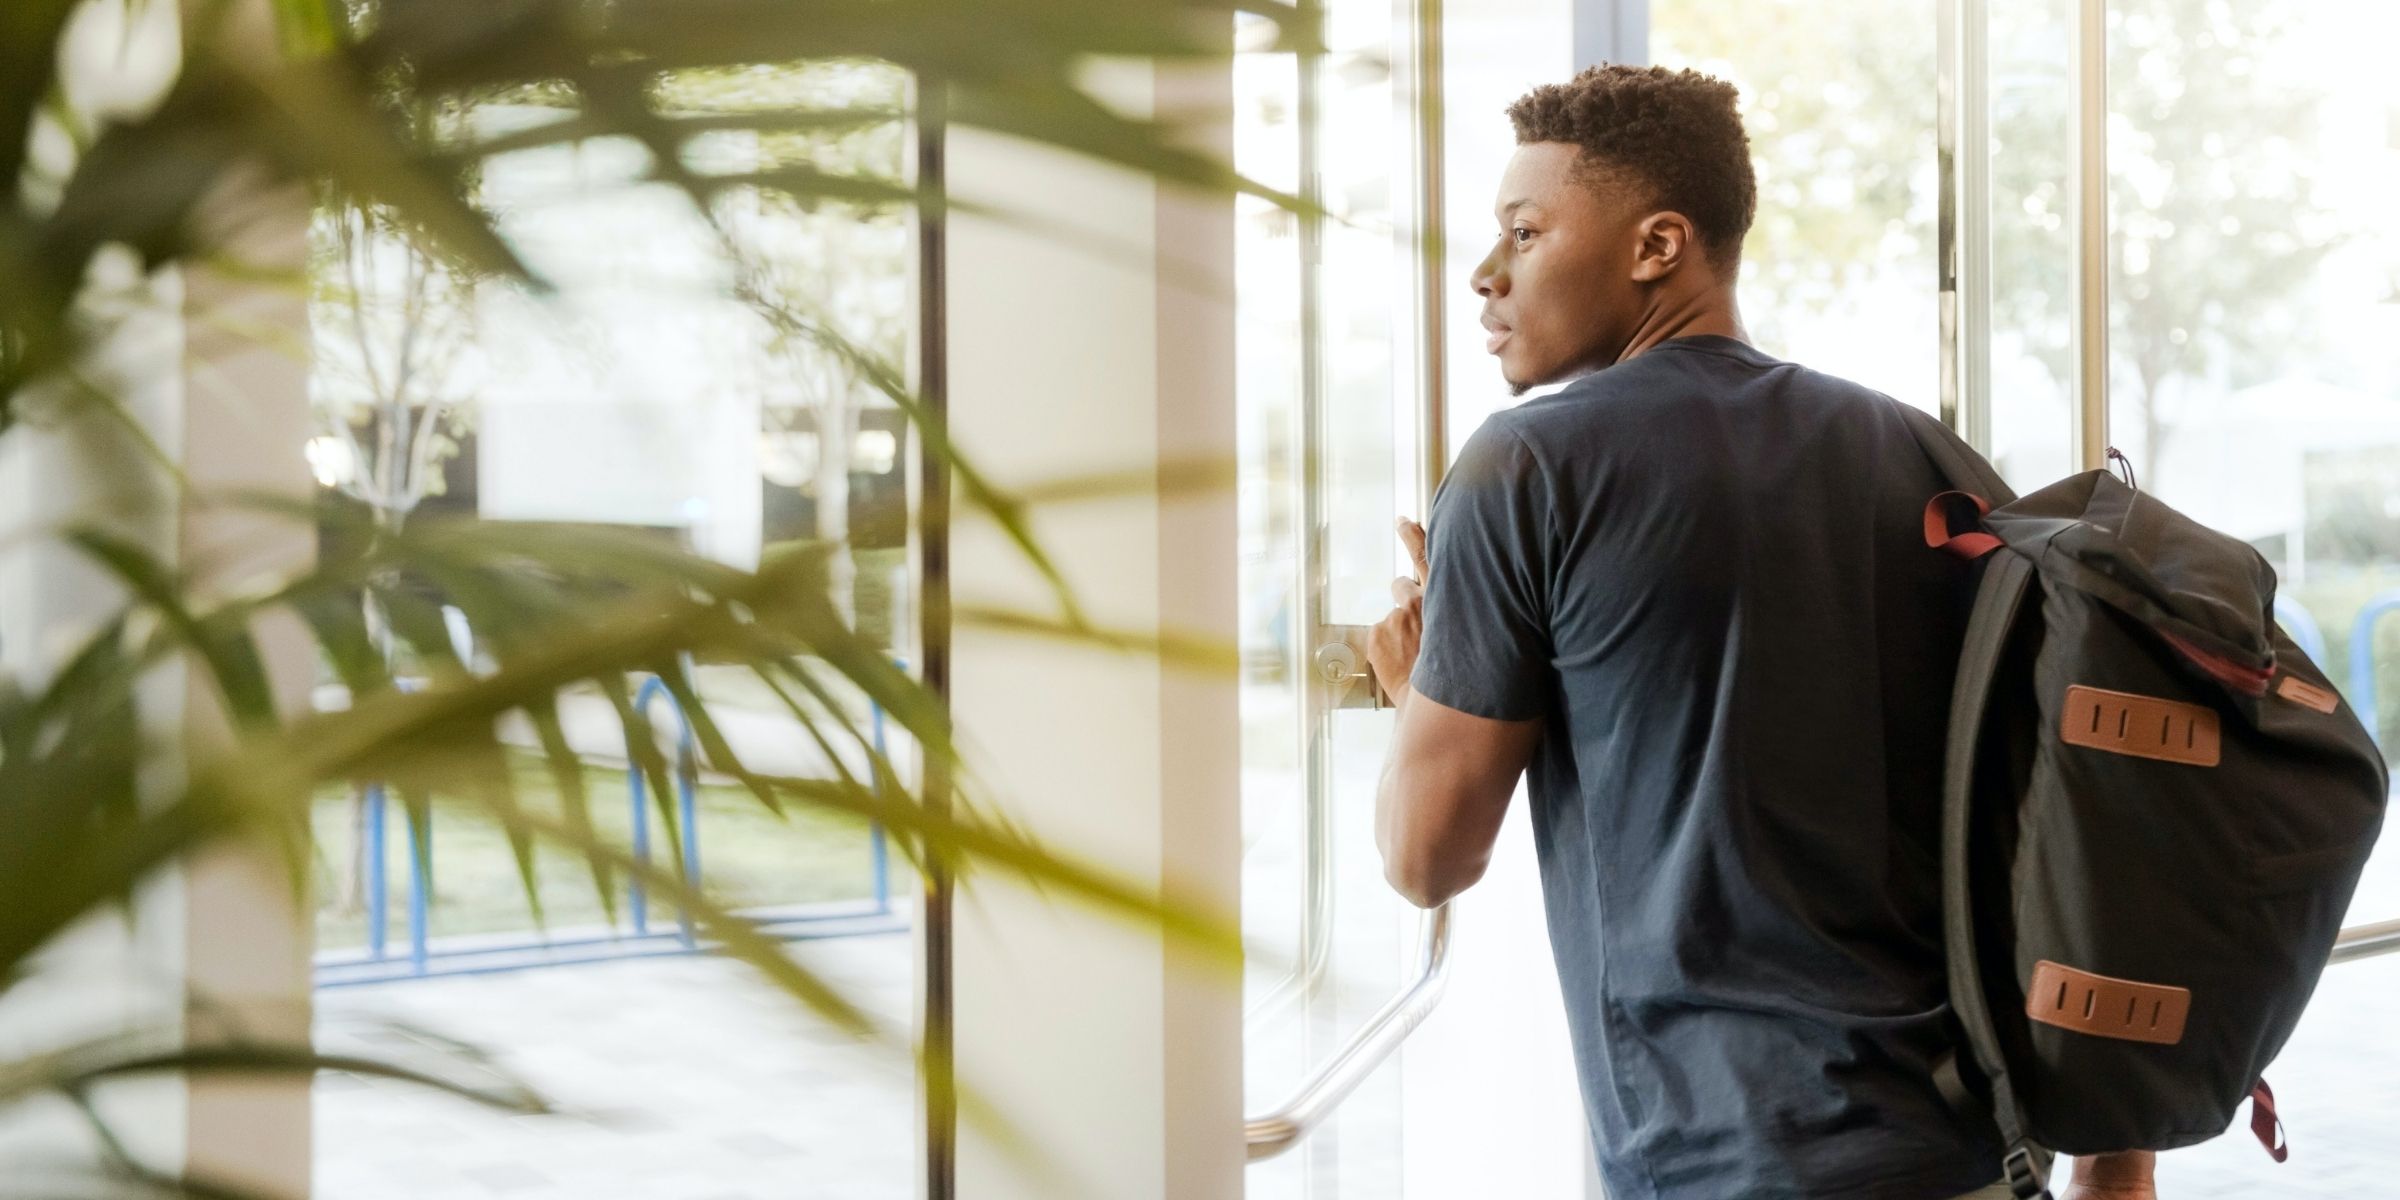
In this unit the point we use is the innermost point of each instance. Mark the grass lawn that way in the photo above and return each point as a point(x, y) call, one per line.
point(748, 856)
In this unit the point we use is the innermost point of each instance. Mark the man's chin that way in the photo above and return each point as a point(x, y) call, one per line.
point(1523, 376)
point(1518, 382)
point(1521, 379)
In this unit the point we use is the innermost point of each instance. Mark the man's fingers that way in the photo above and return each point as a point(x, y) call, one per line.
point(1405, 590)
point(1412, 535)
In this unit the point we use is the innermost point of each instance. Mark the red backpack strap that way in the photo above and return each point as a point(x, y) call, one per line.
point(2266, 1125)
point(1940, 515)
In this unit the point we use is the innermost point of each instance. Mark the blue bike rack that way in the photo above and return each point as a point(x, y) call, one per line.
point(875, 846)
point(687, 790)
point(420, 845)
point(423, 959)
point(2362, 659)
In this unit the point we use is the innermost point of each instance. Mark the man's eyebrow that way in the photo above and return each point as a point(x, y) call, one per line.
point(1514, 205)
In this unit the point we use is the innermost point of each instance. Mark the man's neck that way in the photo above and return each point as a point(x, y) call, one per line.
point(1706, 311)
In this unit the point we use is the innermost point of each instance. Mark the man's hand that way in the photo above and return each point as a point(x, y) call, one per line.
point(1392, 642)
point(2125, 1176)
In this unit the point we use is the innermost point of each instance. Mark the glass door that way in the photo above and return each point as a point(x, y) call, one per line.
point(2181, 214)
point(1332, 385)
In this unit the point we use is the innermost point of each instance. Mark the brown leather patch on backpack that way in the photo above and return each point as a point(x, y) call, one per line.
point(2307, 695)
point(2126, 1009)
point(2141, 726)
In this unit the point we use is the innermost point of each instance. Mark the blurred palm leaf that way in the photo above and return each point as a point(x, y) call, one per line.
point(353, 116)
point(351, 107)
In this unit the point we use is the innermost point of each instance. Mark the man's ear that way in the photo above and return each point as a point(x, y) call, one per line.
point(1664, 241)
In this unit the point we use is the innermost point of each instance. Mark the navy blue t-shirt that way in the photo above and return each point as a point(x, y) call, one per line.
point(1703, 570)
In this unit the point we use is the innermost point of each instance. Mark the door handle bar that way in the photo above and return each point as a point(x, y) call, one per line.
point(1280, 1130)
point(2366, 941)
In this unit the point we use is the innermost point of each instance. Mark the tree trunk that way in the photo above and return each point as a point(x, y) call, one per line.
point(2155, 430)
point(837, 428)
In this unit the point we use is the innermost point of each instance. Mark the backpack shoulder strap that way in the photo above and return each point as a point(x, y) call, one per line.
point(1998, 600)
point(1999, 597)
point(1958, 462)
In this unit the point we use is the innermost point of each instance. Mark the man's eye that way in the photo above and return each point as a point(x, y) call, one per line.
point(1520, 234)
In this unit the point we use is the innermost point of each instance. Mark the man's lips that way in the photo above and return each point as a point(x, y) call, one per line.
point(1494, 334)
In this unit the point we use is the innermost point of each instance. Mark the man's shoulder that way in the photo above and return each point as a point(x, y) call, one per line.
point(1622, 398)
point(1673, 387)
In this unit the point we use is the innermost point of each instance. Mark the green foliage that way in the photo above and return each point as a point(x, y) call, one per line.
point(358, 104)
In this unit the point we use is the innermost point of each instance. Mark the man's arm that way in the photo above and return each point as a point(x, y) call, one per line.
point(1445, 788)
point(1448, 779)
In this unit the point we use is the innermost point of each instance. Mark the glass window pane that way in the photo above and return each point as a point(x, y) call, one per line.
point(657, 390)
point(1839, 269)
point(2254, 290)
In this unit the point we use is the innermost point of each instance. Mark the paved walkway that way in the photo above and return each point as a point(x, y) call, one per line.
point(691, 1080)
point(695, 1082)
point(2338, 1086)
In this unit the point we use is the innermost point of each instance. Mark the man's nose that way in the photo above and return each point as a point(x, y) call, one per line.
point(1489, 279)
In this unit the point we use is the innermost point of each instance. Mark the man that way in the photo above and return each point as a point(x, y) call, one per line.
point(1689, 591)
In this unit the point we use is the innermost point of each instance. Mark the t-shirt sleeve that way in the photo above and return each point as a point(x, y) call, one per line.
point(1486, 648)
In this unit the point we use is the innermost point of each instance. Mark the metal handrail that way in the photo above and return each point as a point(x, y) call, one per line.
point(2366, 941)
point(1283, 1128)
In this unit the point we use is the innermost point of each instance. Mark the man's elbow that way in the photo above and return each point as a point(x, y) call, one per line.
point(1429, 880)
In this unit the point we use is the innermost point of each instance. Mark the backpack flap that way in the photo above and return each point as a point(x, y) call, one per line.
point(2210, 596)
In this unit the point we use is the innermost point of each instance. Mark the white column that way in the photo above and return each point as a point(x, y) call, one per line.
point(1116, 1057)
point(222, 936)
point(246, 938)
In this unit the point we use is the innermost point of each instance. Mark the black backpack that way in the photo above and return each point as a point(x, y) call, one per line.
point(2155, 809)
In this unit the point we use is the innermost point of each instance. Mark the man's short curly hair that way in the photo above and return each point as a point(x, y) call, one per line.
point(1677, 134)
